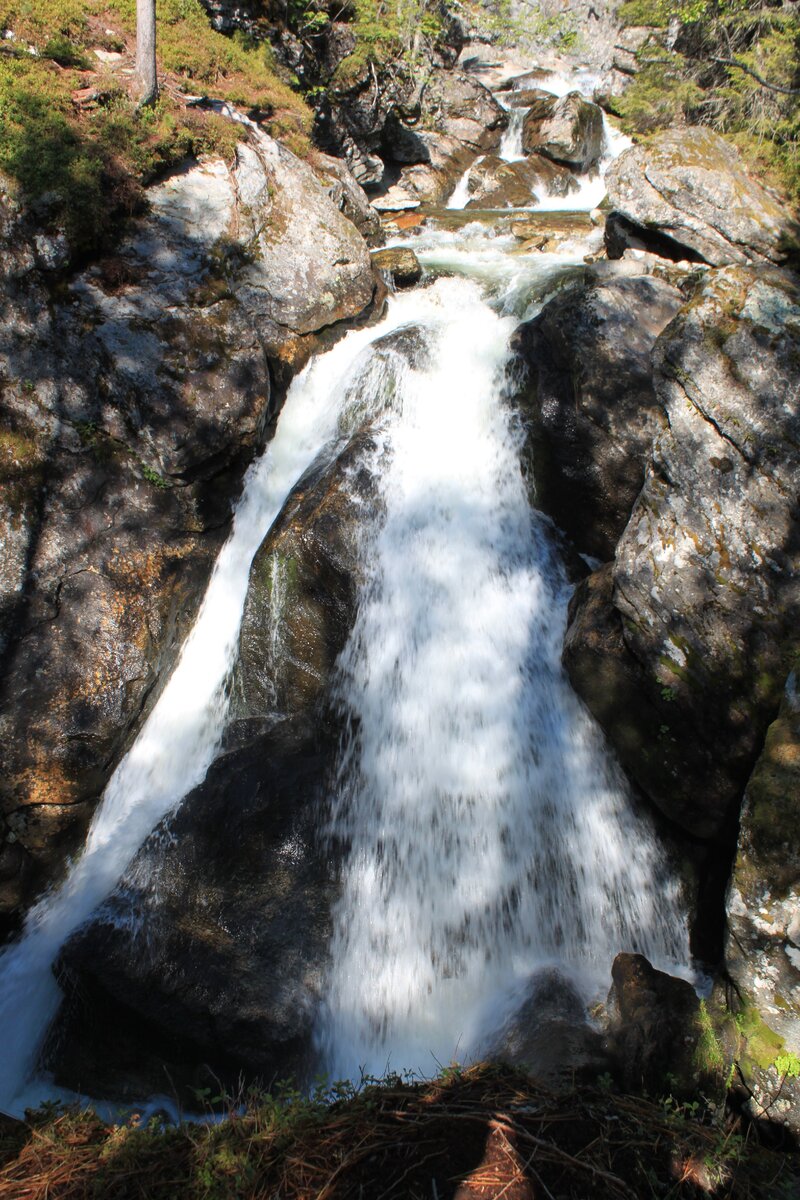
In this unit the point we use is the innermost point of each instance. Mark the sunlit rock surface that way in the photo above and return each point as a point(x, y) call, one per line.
point(762, 951)
point(133, 398)
point(691, 185)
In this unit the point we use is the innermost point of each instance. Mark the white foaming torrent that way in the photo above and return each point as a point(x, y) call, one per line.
point(180, 738)
point(489, 835)
point(511, 145)
point(591, 185)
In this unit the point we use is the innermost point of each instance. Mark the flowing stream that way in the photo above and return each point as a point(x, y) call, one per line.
point(489, 833)
point(591, 188)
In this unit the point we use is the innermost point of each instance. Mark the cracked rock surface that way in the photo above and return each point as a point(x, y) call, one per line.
point(690, 186)
point(132, 397)
point(762, 950)
point(682, 645)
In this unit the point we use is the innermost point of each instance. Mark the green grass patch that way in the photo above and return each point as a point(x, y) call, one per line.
point(81, 164)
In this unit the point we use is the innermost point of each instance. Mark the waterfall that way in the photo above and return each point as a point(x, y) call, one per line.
point(460, 195)
point(488, 832)
point(591, 185)
point(179, 740)
point(511, 145)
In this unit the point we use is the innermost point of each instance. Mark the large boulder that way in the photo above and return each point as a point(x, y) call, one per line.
point(303, 588)
point(590, 406)
point(681, 647)
point(494, 183)
point(762, 951)
point(567, 129)
point(133, 398)
point(302, 594)
point(348, 196)
point(691, 186)
point(306, 265)
point(213, 946)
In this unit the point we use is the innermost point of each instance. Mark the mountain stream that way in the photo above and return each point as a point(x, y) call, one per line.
point(489, 833)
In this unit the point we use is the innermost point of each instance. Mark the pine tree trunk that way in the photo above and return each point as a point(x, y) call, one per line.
point(146, 50)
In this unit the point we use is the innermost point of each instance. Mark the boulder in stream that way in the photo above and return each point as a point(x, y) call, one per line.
point(664, 1040)
point(690, 188)
point(494, 183)
point(213, 946)
point(401, 265)
point(590, 405)
point(567, 129)
point(681, 647)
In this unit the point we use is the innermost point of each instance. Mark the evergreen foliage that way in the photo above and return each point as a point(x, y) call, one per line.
point(732, 64)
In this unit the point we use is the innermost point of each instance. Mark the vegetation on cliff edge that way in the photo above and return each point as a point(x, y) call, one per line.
point(731, 64)
point(487, 1131)
point(73, 141)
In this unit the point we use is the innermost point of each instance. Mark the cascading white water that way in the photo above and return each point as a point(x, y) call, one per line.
point(460, 196)
point(591, 185)
point(179, 740)
point(511, 146)
point(489, 834)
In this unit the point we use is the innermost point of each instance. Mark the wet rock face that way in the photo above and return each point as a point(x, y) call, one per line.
point(590, 405)
point(762, 951)
point(302, 595)
point(681, 648)
point(550, 1036)
point(691, 186)
point(568, 130)
point(494, 183)
point(303, 589)
point(215, 941)
point(132, 401)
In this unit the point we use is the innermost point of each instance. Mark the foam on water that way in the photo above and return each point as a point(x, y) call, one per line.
point(489, 832)
point(179, 740)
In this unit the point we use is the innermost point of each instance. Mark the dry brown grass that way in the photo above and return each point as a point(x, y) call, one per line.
point(488, 1132)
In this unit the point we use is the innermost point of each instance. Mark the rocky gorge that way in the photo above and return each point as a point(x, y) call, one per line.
point(644, 364)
